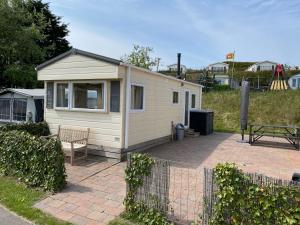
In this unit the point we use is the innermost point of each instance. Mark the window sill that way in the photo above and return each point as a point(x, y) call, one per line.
point(136, 110)
point(82, 110)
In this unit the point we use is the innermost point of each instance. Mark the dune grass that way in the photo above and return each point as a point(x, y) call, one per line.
point(20, 199)
point(271, 107)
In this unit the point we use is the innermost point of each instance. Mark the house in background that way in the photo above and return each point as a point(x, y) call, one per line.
point(222, 79)
point(219, 71)
point(127, 108)
point(294, 82)
point(21, 105)
point(173, 67)
point(218, 67)
point(262, 66)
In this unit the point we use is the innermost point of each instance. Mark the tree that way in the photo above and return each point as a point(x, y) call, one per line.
point(19, 52)
point(29, 35)
point(140, 56)
point(55, 32)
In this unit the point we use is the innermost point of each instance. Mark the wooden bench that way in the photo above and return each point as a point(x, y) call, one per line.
point(72, 140)
point(290, 133)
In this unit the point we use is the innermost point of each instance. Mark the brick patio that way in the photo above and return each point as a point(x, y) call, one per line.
point(94, 194)
point(96, 189)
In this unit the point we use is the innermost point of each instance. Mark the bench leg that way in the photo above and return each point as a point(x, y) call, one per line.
point(86, 153)
point(72, 157)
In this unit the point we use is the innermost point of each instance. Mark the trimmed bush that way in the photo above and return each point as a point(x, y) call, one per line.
point(38, 129)
point(240, 201)
point(35, 161)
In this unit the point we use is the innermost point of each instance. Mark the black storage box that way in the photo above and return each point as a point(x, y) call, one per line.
point(202, 121)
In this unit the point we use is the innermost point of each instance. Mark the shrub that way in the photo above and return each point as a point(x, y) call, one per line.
point(240, 201)
point(35, 161)
point(139, 167)
point(220, 87)
point(38, 129)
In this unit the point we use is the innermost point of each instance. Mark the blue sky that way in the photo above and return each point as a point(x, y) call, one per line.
point(202, 30)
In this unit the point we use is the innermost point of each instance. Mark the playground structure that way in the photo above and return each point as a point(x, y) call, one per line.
point(279, 81)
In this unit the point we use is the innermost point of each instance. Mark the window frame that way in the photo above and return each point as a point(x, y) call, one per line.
point(143, 108)
point(178, 99)
point(70, 96)
point(192, 101)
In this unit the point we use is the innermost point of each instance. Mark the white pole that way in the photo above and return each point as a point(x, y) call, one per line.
point(232, 69)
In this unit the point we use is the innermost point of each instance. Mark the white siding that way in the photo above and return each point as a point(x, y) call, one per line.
point(78, 67)
point(105, 128)
point(155, 121)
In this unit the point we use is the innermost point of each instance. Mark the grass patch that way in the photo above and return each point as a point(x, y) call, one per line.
point(121, 221)
point(271, 107)
point(20, 199)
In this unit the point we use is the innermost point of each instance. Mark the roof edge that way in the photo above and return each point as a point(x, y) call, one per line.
point(20, 92)
point(75, 51)
point(160, 74)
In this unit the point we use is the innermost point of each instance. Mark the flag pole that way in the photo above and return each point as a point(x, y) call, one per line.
point(232, 69)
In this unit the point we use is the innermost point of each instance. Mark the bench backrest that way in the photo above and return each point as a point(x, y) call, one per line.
point(68, 134)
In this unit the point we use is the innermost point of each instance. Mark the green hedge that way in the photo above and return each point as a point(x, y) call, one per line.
point(35, 161)
point(240, 201)
point(38, 129)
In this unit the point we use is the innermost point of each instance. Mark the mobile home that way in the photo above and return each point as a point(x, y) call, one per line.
point(127, 108)
point(21, 105)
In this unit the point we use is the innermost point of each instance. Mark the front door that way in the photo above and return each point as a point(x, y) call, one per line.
point(186, 108)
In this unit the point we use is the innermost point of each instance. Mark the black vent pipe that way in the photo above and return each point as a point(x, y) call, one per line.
point(178, 75)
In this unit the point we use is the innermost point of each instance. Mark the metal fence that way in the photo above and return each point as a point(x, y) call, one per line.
point(210, 189)
point(174, 189)
point(187, 195)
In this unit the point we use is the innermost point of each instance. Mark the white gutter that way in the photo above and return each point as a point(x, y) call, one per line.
point(127, 105)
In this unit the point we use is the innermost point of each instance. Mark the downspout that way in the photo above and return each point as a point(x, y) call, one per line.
point(127, 105)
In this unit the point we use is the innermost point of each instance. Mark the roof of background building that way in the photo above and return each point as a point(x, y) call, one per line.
point(27, 92)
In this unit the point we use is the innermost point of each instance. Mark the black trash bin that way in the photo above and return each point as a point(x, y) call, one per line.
point(202, 121)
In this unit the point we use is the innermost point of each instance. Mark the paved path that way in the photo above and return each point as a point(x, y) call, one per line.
point(8, 218)
point(94, 194)
point(96, 190)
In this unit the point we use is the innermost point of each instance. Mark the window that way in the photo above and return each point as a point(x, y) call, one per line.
point(137, 97)
point(88, 95)
point(193, 101)
point(49, 99)
point(294, 82)
point(62, 95)
point(115, 96)
point(5, 109)
point(175, 97)
point(19, 109)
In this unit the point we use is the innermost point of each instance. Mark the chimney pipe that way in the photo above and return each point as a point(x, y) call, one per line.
point(178, 66)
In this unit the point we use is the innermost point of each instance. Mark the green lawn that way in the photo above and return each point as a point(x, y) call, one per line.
point(120, 221)
point(20, 199)
point(271, 107)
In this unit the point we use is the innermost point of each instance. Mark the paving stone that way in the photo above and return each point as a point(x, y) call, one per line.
point(96, 190)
